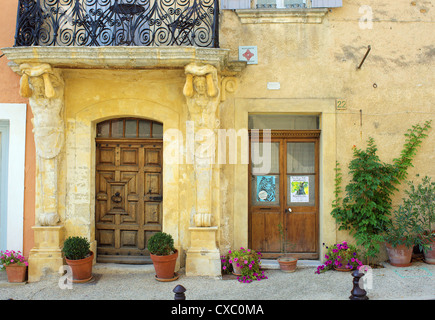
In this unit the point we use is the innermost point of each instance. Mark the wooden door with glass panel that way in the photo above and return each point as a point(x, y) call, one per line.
point(128, 204)
point(285, 194)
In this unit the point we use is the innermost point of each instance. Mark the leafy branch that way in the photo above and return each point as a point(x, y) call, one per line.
point(365, 209)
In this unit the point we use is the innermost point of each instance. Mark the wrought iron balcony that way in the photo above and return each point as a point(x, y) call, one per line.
point(118, 23)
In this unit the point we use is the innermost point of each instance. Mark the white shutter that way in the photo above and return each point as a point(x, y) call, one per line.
point(235, 4)
point(326, 3)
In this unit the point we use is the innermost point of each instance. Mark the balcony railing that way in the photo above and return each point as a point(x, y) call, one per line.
point(118, 23)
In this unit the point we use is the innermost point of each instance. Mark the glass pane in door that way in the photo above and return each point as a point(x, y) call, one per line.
point(265, 174)
point(301, 174)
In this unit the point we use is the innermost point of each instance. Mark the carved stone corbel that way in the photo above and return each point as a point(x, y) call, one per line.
point(44, 87)
point(228, 84)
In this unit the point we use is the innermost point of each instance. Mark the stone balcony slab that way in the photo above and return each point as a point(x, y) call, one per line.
point(122, 57)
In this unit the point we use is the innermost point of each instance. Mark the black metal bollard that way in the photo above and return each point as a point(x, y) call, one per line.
point(357, 293)
point(179, 293)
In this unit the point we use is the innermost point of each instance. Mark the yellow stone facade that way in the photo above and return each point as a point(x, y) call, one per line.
point(315, 58)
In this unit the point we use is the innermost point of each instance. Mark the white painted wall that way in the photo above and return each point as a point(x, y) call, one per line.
point(16, 115)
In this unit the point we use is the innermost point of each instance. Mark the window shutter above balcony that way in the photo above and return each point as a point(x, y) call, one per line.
point(236, 4)
point(326, 3)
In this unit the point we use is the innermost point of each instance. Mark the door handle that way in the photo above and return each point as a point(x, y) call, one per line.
point(158, 198)
point(288, 210)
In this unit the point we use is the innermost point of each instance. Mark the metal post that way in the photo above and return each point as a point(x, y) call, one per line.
point(179, 293)
point(357, 293)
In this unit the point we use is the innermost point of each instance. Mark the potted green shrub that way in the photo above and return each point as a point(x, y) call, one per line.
point(164, 256)
point(403, 232)
point(79, 257)
point(287, 263)
point(421, 198)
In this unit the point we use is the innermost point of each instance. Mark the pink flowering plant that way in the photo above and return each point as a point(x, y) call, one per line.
point(10, 257)
point(248, 260)
point(340, 255)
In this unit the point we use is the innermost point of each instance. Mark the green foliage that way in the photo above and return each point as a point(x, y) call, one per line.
point(76, 248)
point(247, 260)
point(340, 255)
point(365, 209)
point(9, 257)
point(404, 228)
point(161, 244)
point(421, 198)
point(413, 222)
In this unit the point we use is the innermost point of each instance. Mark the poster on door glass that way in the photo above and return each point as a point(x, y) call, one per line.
point(266, 188)
point(299, 189)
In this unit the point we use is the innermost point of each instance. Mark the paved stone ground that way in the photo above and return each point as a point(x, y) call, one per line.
point(123, 282)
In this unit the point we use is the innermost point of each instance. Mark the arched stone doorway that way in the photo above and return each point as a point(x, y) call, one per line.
point(128, 188)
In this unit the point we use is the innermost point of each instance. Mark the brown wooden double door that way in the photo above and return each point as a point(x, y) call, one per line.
point(284, 193)
point(128, 198)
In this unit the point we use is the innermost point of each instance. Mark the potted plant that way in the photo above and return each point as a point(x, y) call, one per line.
point(164, 256)
point(341, 257)
point(79, 257)
point(15, 265)
point(244, 263)
point(421, 198)
point(402, 233)
point(287, 263)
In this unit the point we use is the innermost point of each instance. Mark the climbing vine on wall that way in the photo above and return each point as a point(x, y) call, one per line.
point(364, 210)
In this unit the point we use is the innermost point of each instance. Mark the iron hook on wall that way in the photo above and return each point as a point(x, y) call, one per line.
point(365, 56)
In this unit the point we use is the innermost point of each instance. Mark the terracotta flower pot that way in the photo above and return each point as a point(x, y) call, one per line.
point(399, 256)
point(288, 264)
point(237, 271)
point(165, 265)
point(343, 268)
point(429, 256)
point(16, 273)
point(81, 269)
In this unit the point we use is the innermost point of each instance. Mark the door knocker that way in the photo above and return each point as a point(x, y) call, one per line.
point(116, 197)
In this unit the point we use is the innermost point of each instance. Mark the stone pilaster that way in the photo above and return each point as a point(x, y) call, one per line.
point(203, 97)
point(44, 87)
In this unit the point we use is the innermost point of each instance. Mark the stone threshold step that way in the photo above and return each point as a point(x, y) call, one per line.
point(273, 263)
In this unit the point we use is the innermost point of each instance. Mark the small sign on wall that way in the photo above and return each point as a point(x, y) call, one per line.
point(340, 104)
point(248, 54)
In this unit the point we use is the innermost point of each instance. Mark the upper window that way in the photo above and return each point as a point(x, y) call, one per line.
point(280, 4)
point(130, 128)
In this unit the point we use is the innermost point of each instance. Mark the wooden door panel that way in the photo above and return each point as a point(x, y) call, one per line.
point(153, 185)
point(106, 238)
point(298, 161)
point(106, 156)
point(153, 157)
point(263, 227)
point(301, 231)
point(152, 213)
point(129, 156)
point(129, 239)
point(125, 214)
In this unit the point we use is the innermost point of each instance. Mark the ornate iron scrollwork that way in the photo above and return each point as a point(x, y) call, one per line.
point(117, 22)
